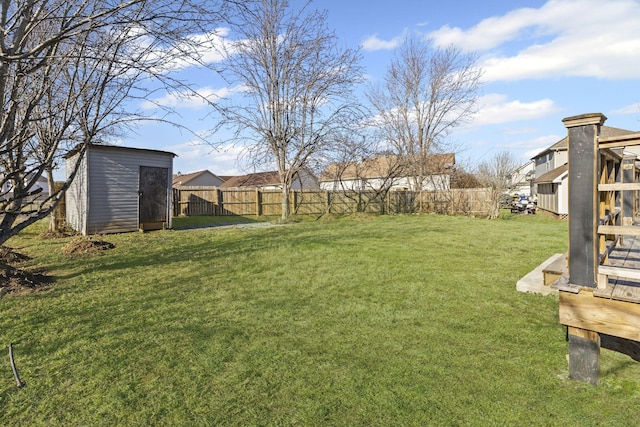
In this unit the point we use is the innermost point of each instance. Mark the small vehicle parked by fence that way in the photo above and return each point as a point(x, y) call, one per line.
point(523, 205)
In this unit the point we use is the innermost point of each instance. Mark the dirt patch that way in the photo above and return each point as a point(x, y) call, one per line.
point(45, 235)
point(9, 256)
point(84, 246)
point(15, 279)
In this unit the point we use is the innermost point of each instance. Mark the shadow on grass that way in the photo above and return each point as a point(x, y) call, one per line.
point(191, 222)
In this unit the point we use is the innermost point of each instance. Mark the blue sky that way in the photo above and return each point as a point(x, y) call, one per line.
point(542, 61)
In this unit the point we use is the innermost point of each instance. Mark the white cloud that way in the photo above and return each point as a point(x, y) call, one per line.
point(190, 100)
point(204, 48)
point(489, 33)
point(195, 155)
point(373, 43)
point(497, 109)
point(628, 109)
point(591, 38)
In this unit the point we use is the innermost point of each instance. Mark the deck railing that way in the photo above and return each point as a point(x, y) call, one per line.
point(603, 203)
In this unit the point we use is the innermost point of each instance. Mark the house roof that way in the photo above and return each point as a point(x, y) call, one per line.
point(553, 175)
point(257, 179)
point(605, 131)
point(183, 179)
point(381, 166)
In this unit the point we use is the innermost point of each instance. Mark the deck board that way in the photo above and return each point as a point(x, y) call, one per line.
point(627, 255)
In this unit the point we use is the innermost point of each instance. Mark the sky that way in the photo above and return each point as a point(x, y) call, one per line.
point(542, 61)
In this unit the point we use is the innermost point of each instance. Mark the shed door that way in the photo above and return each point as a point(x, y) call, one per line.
point(153, 193)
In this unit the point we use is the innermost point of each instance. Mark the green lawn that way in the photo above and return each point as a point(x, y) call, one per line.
point(368, 321)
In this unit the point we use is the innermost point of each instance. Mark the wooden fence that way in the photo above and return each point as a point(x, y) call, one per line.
point(192, 201)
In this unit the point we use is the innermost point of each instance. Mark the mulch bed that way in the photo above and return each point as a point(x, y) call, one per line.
point(84, 246)
point(14, 279)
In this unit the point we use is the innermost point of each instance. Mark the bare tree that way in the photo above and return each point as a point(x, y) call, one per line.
point(427, 93)
point(296, 82)
point(495, 174)
point(66, 69)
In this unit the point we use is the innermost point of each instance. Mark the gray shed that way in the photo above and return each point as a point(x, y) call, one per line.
point(119, 189)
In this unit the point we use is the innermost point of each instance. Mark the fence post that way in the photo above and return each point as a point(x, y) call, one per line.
point(220, 201)
point(258, 202)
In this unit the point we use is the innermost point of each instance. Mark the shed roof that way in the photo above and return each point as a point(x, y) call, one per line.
point(552, 175)
point(78, 147)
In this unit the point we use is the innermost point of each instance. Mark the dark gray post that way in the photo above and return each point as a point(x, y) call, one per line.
point(583, 132)
point(583, 197)
point(584, 356)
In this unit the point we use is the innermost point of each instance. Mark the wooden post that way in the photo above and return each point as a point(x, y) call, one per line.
point(628, 176)
point(220, 201)
point(583, 131)
point(294, 199)
point(584, 356)
point(258, 203)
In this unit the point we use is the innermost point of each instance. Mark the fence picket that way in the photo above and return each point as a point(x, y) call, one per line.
point(214, 201)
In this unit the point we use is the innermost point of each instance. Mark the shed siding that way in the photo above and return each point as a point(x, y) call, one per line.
point(76, 195)
point(563, 197)
point(113, 187)
point(103, 197)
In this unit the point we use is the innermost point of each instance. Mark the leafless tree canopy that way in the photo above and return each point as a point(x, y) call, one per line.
point(297, 84)
point(427, 93)
point(67, 67)
point(495, 174)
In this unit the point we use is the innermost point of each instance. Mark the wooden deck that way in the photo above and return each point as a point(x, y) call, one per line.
point(627, 256)
point(612, 310)
point(599, 302)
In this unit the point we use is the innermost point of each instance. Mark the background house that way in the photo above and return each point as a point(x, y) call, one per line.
point(203, 178)
point(522, 179)
point(303, 180)
point(41, 183)
point(551, 182)
point(387, 172)
point(119, 189)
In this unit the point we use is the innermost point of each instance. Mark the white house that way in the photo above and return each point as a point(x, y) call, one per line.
point(41, 183)
point(522, 179)
point(203, 178)
point(387, 172)
point(551, 182)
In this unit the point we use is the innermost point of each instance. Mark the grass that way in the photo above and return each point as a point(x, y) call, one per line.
point(374, 321)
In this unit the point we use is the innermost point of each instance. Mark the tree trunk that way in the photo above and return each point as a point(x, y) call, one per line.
point(53, 216)
point(285, 202)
